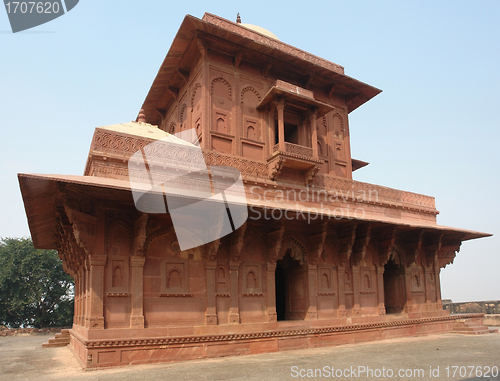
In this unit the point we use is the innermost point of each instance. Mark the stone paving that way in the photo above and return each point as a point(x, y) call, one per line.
point(418, 358)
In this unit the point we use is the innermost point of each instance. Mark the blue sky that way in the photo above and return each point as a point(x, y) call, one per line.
point(434, 129)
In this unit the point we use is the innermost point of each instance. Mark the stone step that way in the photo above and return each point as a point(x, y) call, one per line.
point(60, 340)
point(471, 327)
point(488, 330)
point(53, 345)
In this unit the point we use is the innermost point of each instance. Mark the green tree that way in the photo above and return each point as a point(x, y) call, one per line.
point(34, 289)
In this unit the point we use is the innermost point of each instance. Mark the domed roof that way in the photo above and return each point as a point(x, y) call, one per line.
point(260, 30)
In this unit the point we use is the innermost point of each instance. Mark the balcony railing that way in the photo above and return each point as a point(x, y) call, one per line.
point(295, 149)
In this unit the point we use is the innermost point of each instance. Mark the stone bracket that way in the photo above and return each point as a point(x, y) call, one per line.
point(140, 235)
point(413, 246)
point(267, 68)
point(317, 242)
point(361, 243)
point(346, 237)
point(311, 174)
point(449, 248)
point(237, 242)
point(84, 229)
point(274, 240)
point(275, 166)
point(432, 248)
point(385, 244)
point(211, 249)
point(237, 59)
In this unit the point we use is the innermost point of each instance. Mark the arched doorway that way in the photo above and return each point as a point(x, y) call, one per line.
point(291, 289)
point(394, 287)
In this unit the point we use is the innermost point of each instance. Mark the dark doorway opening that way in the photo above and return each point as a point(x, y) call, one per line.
point(291, 133)
point(289, 277)
point(394, 288)
point(279, 279)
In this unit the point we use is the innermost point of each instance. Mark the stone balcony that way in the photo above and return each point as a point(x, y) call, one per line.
point(296, 157)
point(295, 150)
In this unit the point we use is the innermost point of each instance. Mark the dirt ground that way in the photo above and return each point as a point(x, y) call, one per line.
point(420, 358)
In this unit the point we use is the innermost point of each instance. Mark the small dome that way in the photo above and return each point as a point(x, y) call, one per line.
point(260, 30)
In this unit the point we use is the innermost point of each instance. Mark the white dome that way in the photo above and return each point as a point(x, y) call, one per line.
point(260, 30)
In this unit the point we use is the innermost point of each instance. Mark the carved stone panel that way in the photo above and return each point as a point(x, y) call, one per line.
point(174, 276)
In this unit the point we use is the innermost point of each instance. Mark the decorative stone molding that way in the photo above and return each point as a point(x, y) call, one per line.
point(272, 43)
point(251, 89)
point(270, 334)
point(224, 82)
point(193, 94)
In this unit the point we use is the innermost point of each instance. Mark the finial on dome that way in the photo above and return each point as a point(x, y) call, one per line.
point(142, 116)
point(238, 18)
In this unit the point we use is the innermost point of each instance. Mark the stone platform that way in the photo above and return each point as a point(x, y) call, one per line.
point(130, 347)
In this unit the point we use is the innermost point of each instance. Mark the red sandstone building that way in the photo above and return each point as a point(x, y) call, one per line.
point(321, 259)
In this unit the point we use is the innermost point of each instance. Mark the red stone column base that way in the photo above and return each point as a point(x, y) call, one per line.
point(137, 322)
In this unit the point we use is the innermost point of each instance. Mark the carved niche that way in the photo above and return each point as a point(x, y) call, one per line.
point(253, 258)
point(327, 280)
point(250, 98)
point(221, 93)
point(367, 281)
point(118, 248)
point(167, 264)
point(197, 109)
point(222, 280)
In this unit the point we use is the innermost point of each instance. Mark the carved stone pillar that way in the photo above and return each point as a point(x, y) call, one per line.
point(234, 308)
point(137, 314)
point(312, 274)
point(83, 295)
point(439, 303)
point(341, 288)
point(408, 301)
point(76, 316)
point(272, 316)
point(356, 309)
point(81, 291)
point(86, 298)
point(314, 133)
point(380, 290)
point(269, 121)
point(427, 277)
point(96, 284)
point(280, 106)
point(211, 316)
point(81, 315)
